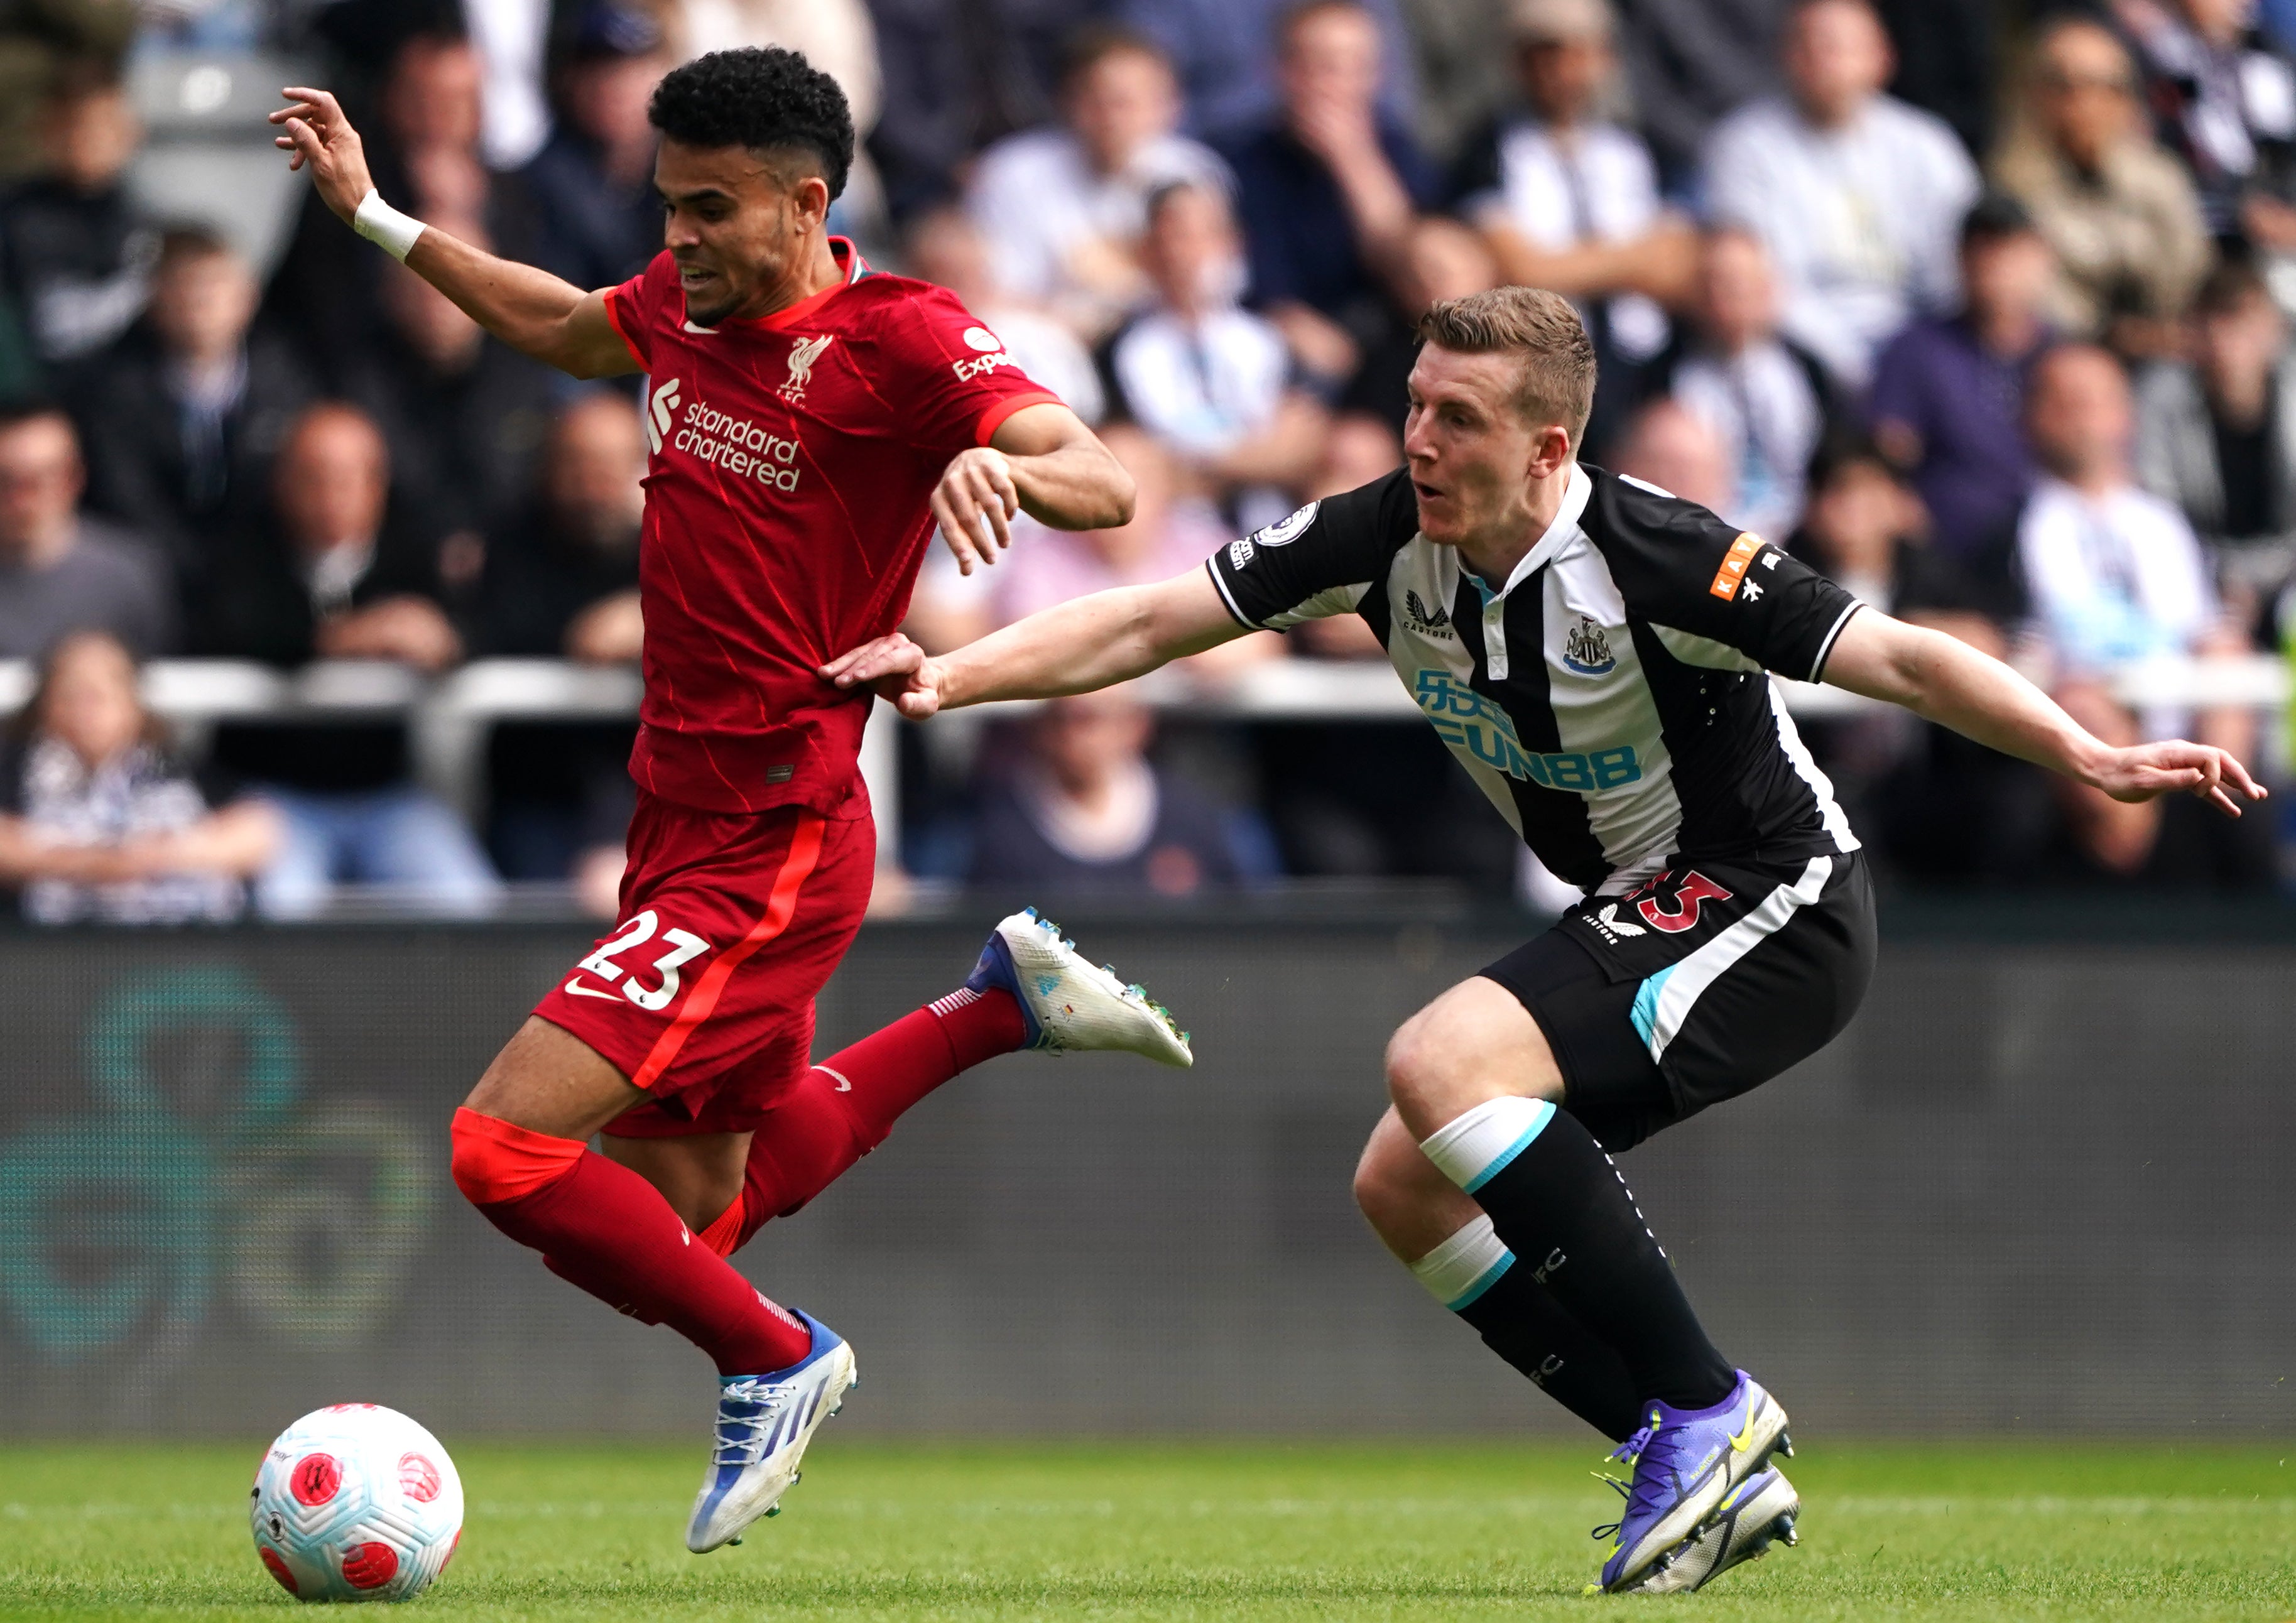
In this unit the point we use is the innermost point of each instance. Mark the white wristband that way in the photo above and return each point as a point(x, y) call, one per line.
point(383, 226)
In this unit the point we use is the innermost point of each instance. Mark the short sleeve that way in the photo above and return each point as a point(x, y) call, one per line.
point(1318, 563)
point(633, 306)
point(959, 381)
point(1712, 590)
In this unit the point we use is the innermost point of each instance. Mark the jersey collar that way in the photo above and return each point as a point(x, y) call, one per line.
point(1558, 535)
point(849, 261)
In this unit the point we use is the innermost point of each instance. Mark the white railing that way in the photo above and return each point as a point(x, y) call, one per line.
point(449, 716)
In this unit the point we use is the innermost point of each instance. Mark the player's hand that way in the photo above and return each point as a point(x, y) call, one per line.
point(898, 668)
point(2149, 771)
point(315, 132)
point(974, 504)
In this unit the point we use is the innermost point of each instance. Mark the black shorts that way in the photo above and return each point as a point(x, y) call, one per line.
point(1708, 980)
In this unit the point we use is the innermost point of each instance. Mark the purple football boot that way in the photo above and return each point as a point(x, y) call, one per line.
point(1686, 1461)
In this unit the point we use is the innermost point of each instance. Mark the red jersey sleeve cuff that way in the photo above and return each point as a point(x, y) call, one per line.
point(614, 318)
point(993, 417)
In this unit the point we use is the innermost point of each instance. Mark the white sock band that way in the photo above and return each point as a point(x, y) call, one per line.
point(1474, 1148)
point(1466, 1265)
point(384, 226)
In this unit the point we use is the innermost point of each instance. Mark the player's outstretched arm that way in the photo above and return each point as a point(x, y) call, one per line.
point(1082, 645)
point(1041, 460)
point(530, 310)
point(1947, 681)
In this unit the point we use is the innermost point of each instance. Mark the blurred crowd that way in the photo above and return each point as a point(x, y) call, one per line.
point(1982, 309)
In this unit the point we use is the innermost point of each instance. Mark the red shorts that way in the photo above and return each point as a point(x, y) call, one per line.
point(703, 994)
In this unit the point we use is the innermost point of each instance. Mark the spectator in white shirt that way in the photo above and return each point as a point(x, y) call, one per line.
point(1569, 200)
point(1212, 380)
point(2116, 573)
point(1065, 206)
point(1858, 196)
point(1766, 399)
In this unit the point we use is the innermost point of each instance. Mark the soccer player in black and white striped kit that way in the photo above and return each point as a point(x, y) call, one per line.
point(1597, 654)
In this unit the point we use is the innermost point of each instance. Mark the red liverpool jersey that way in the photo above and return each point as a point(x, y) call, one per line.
point(791, 468)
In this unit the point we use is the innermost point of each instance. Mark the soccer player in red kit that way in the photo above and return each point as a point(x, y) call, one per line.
point(809, 420)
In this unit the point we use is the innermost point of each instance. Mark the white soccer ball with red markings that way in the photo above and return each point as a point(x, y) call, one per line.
point(355, 1503)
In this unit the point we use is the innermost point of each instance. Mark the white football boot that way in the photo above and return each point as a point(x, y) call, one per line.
point(1760, 1511)
point(764, 1423)
point(1069, 1006)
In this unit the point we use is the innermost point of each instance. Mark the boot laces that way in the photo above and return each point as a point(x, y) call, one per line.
point(745, 1412)
point(1655, 1454)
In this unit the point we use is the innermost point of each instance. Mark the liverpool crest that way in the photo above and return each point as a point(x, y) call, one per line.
point(800, 364)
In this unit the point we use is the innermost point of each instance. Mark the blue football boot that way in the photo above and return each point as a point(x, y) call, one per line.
point(764, 1423)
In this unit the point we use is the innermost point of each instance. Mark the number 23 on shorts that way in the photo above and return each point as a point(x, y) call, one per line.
point(684, 947)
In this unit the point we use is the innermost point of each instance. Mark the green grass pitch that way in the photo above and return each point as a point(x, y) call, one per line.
point(1264, 1531)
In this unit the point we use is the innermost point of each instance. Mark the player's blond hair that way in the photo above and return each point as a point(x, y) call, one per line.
point(1542, 330)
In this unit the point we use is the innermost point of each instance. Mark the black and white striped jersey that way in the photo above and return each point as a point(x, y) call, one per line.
point(1611, 696)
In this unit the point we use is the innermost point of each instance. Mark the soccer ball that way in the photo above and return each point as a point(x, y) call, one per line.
point(355, 1503)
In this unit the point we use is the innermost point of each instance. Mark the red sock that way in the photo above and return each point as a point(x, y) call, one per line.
point(604, 1228)
point(845, 1106)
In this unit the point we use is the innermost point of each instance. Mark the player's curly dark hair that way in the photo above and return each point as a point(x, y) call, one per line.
point(760, 98)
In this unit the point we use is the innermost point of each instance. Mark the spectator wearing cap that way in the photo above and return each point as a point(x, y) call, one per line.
point(1948, 399)
point(592, 184)
point(1328, 189)
point(2120, 213)
point(1767, 400)
point(1855, 194)
point(1570, 200)
point(2224, 94)
point(1065, 204)
point(60, 571)
point(1211, 381)
point(336, 574)
point(76, 252)
point(2216, 436)
point(187, 412)
point(1227, 52)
